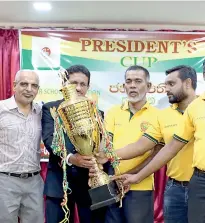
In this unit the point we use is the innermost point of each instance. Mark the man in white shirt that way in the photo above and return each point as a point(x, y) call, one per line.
point(21, 186)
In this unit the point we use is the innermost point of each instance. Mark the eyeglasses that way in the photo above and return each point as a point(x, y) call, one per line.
point(26, 85)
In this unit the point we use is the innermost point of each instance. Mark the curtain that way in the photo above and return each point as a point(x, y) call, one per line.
point(159, 182)
point(9, 61)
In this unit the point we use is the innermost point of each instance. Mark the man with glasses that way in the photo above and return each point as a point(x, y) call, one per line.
point(21, 186)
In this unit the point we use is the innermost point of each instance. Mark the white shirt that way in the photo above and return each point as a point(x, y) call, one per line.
point(20, 138)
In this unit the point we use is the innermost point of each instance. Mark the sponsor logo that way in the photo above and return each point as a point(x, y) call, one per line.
point(169, 126)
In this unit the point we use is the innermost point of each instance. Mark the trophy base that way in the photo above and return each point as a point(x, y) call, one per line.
point(104, 195)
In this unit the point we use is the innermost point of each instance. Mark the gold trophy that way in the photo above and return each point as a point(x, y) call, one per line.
point(79, 117)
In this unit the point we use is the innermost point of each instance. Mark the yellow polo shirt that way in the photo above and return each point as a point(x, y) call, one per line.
point(193, 126)
point(169, 119)
point(127, 128)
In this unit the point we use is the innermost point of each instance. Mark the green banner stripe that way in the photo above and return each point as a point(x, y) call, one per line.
point(66, 61)
point(100, 65)
point(161, 66)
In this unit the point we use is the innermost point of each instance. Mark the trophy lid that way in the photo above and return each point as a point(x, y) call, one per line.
point(68, 90)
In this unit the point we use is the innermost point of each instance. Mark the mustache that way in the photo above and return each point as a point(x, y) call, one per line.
point(133, 92)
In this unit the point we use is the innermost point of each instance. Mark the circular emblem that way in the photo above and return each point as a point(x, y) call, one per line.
point(144, 126)
point(46, 51)
point(151, 100)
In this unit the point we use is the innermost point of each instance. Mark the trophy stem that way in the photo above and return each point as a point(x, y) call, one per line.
point(101, 178)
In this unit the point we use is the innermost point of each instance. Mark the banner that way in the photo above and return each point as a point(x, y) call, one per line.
point(107, 54)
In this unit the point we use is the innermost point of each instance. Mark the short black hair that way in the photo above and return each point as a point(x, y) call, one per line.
point(184, 73)
point(78, 68)
point(136, 67)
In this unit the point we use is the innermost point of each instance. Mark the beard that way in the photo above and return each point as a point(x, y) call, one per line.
point(140, 97)
point(133, 100)
point(176, 98)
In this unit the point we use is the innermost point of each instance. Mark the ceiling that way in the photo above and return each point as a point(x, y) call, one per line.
point(110, 14)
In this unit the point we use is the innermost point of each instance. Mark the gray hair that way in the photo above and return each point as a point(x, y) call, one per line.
point(18, 74)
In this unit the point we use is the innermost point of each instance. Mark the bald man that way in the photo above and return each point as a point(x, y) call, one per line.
point(21, 186)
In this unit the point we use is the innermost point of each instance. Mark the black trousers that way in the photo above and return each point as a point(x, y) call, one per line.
point(137, 207)
point(55, 213)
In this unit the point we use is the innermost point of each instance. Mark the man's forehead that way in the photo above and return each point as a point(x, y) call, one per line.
point(28, 77)
point(172, 76)
point(80, 77)
point(135, 74)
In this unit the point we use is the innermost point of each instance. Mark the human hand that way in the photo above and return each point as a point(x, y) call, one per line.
point(94, 169)
point(119, 181)
point(101, 157)
point(128, 179)
point(81, 161)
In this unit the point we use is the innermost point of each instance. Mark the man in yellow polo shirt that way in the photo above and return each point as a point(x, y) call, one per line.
point(180, 86)
point(192, 127)
point(126, 123)
point(181, 92)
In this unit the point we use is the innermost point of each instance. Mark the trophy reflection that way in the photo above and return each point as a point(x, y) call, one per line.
point(80, 119)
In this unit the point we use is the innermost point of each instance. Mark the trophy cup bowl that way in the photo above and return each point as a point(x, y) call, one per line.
point(78, 117)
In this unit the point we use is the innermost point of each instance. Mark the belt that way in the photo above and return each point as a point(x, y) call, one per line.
point(21, 175)
point(199, 172)
point(181, 183)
